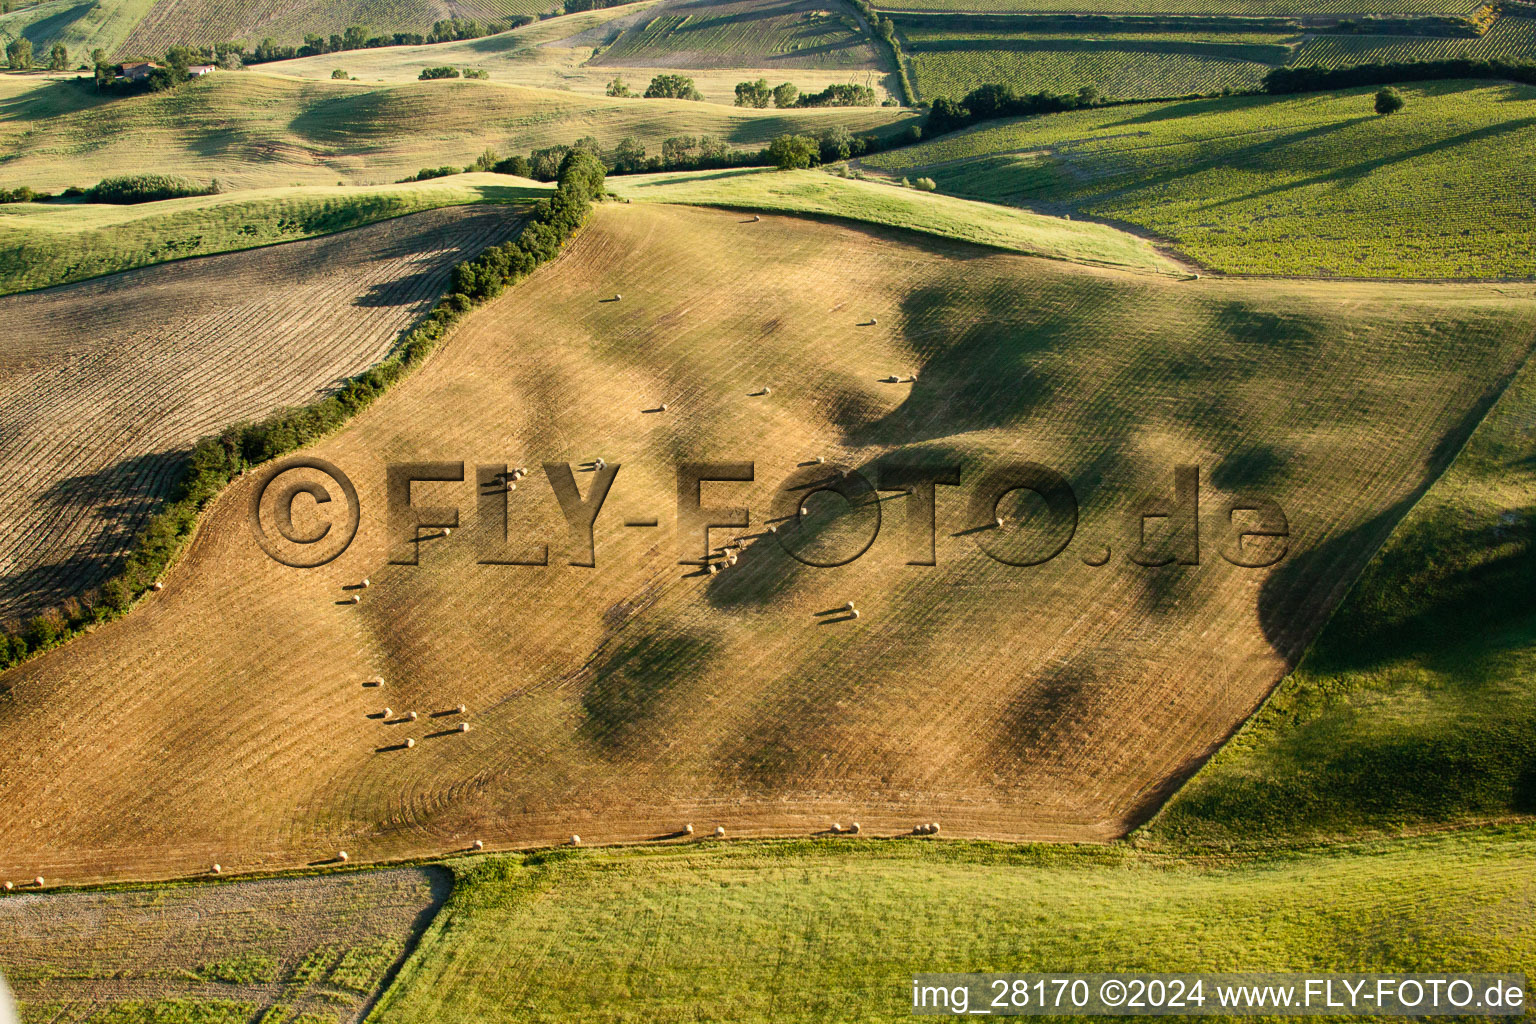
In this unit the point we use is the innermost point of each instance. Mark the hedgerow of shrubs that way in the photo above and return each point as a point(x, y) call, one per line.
point(215, 461)
point(146, 188)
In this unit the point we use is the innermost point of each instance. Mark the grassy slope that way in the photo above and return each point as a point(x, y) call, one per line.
point(834, 930)
point(1416, 706)
point(1131, 65)
point(554, 54)
point(1311, 185)
point(47, 244)
point(879, 203)
point(253, 130)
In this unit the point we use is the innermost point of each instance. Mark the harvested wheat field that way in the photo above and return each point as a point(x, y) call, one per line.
point(228, 717)
point(106, 383)
point(243, 951)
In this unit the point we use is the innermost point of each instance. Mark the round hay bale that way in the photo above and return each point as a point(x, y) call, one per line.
point(447, 530)
point(218, 869)
point(375, 681)
point(575, 840)
point(479, 844)
point(38, 881)
point(341, 855)
point(460, 709)
point(688, 828)
point(463, 727)
point(411, 715)
point(367, 583)
point(854, 613)
point(663, 406)
point(9, 886)
point(409, 744)
point(804, 511)
point(719, 830)
point(998, 522)
point(767, 391)
point(820, 460)
point(934, 828)
point(356, 599)
point(854, 828)
point(714, 569)
point(835, 827)
point(848, 607)
point(773, 527)
point(157, 586)
point(388, 712)
point(617, 296)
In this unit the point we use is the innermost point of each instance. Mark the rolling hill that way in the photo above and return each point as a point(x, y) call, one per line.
point(622, 701)
point(1127, 63)
point(126, 28)
point(558, 53)
point(106, 384)
point(251, 130)
point(1315, 185)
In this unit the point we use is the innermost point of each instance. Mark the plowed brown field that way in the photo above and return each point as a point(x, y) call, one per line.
point(105, 384)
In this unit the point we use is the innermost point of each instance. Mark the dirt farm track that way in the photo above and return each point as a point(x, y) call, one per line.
point(103, 384)
point(227, 719)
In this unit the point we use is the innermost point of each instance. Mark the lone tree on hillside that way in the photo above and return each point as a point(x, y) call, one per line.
point(19, 54)
point(672, 87)
point(793, 152)
point(1389, 101)
point(753, 94)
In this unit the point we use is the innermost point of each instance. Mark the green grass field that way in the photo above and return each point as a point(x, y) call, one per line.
point(1415, 707)
point(1310, 185)
point(253, 130)
point(44, 244)
point(815, 192)
point(833, 930)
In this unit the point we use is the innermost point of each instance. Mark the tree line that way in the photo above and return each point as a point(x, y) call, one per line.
point(759, 94)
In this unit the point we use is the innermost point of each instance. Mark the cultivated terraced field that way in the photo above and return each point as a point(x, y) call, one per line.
point(1132, 65)
point(835, 929)
point(1126, 66)
point(81, 27)
point(202, 22)
point(251, 130)
point(108, 382)
point(261, 950)
point(744, 33)
point(1315, 185)
point(622, 701)
point(1251, 8)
